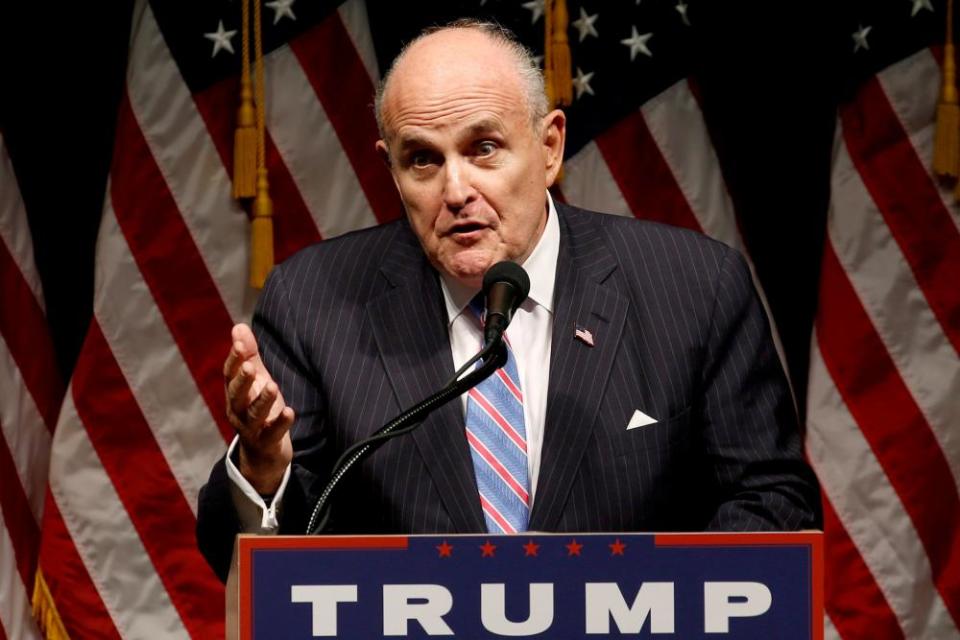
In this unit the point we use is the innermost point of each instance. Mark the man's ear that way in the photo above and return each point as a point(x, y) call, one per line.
point(554, 137)
point(383, 152)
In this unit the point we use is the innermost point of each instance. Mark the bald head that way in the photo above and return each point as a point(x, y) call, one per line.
point(462, 51)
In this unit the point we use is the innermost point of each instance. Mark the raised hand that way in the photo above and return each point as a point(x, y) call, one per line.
point(256, 409)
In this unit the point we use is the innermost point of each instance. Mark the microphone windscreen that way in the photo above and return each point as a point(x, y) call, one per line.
point(510, 273)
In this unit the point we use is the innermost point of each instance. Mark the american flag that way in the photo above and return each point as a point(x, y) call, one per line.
point(142, 421)
point(883, 406)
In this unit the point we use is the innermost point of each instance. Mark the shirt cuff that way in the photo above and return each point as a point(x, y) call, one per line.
point(255, 515)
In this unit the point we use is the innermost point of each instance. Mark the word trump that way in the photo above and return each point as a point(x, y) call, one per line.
point(606, 608)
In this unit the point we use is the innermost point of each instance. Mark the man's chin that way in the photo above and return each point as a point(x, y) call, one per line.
point(468, 267)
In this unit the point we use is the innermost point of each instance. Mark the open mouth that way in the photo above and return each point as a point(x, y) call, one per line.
point(467, 227)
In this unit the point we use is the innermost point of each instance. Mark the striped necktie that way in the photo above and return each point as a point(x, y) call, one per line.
point(497, 437)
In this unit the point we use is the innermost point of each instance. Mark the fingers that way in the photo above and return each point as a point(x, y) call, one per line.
point(238, 388)
point(242, 348)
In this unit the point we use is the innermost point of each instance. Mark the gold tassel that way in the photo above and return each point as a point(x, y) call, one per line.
point(245, 136)
point(261, 227)
point(45, 611)
point(560, 54)
point(261, 233)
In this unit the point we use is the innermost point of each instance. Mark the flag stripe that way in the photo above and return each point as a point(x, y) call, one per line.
point(77, 601)
point(898, 310)
point(24, 432)
point(184, 154)
point(24, 328)
point(165, 391)
point(904, 191)
point(102, 530)
point(893, 425)
point(180, 284)
point(587, 181)
point(319, 166)
point(15, 618)
point(870, 510)
point(152, 499)
point(642, 175)
point(913, 88)
point(14, 229)
point(18, 519)
point(854, 602)
point(676, 124)
point(293, 224)
point(345, 90)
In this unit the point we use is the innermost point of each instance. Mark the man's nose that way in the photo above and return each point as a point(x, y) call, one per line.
point(458, 189)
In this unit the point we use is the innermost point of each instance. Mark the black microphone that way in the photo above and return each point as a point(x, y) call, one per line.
point(505, 287)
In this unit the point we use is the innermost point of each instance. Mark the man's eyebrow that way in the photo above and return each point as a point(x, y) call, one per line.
point(413, 142)
point(486, 125)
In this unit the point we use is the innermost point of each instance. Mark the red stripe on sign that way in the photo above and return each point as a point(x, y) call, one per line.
point(149, 493)
point(24, 329)
point(642, 174)
point(17, 517)
point(855, 603)
point(78, 603)
point(907, 196)
point(170, 263)
point(891, 422)
point(293, 226)
point(344, 88)
point(3, 634)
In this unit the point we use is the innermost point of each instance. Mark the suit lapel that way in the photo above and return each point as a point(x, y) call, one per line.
point(409, 324)
point(578, 372)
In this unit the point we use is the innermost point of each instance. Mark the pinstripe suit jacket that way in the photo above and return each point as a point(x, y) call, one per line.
point(354, 330)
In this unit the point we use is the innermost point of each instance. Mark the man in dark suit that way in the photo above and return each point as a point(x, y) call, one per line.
point(650, 394)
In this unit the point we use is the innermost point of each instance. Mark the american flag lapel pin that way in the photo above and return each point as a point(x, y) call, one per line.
point(583, 335)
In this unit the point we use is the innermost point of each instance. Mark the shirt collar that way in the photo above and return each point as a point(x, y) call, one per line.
point(540, 265)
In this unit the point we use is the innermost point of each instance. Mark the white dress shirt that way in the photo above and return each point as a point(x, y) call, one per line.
point(530, 334)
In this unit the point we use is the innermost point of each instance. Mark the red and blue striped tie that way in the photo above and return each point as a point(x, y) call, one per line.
point(497, 437)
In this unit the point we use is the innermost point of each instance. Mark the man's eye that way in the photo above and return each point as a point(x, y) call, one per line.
point(420, 160)
point(486, 148)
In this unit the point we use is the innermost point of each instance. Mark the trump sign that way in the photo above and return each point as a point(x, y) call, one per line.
point(723, 586)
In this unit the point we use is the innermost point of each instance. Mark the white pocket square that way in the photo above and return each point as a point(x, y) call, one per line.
point(640, 419)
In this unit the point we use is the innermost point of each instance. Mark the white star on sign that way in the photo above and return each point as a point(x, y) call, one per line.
point(536, 7)
point(282, 9)
point(860, 38)
point(637, 43)
point(221, 39)
point(920, 4)
point(584, 24)
point(682, 10)
point(582, 83)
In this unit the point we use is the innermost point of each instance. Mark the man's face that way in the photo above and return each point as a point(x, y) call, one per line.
point(471, 169)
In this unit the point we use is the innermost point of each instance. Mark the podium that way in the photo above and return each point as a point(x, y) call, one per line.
point(558, 586)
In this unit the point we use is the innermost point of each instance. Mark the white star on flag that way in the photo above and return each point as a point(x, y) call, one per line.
point(584, 24)
point(860, 38)
point(637, 43)
point(282, 9)
point(682, 10)
point(582, 82)
point(536, 8)
point(920, 4)
point(221, 39)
